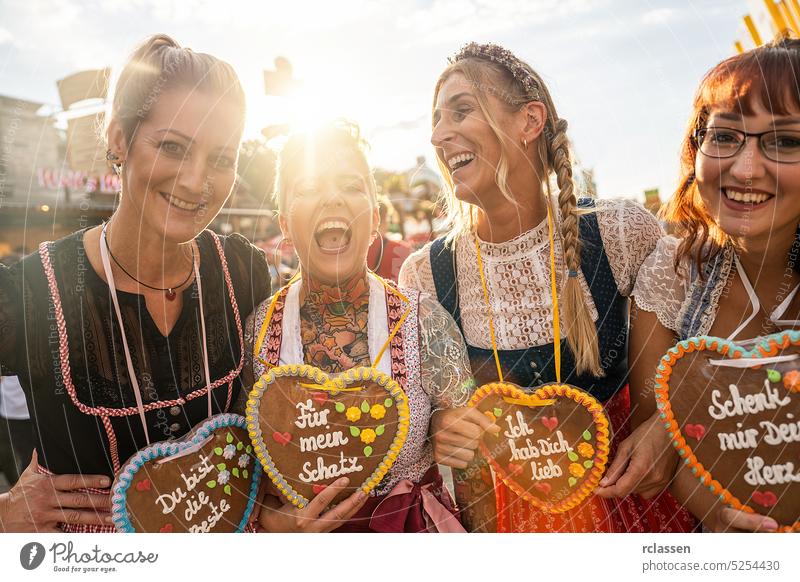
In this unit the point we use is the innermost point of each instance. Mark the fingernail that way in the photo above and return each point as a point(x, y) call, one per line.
point(105, 482)
point(603, 482)
point(342, 481)
point(108, 519)
point(769, 525)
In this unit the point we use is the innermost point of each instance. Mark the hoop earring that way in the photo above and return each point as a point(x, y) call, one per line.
point(276, 258)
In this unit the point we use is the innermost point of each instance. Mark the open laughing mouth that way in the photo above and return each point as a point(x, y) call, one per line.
point(460, 160)
point(180, 204)
point(745, 200)
point(333, 236)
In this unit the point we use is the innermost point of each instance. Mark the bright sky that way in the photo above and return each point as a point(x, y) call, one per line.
point(622, 72)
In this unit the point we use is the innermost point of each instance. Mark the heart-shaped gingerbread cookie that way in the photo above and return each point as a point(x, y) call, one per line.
point(205, 482)
point(553, 445)
point(734, 417)
point(309, 428)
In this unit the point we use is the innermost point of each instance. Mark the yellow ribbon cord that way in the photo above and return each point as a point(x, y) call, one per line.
point(554, 292)
point(331, 387)
point(262, 334)
point(488, 310)
point(530, 401)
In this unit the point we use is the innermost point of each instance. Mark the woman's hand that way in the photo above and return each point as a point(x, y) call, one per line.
point(456, 432)
point(644, 464)
point(276, 516)
point(38, 502)
point(727, 519)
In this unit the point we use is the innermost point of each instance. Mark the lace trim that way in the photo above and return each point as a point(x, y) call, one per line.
point(517, 274)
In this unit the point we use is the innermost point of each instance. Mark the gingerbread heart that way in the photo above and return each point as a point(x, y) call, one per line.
point(734, 417)
point(309, 428)
point(553, 445)
point(205, 482)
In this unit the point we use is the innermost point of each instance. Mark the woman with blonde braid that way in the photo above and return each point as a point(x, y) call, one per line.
point(499, 142)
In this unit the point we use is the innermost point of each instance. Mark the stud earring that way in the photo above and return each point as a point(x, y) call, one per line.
point(524, 143)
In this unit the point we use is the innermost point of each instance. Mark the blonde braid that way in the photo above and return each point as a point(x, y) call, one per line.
point(580, 328)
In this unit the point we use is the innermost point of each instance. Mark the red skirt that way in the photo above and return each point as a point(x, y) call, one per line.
point(405, 512)
point(631, 514)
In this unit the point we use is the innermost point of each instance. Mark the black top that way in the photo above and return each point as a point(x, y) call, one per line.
point(71, 440)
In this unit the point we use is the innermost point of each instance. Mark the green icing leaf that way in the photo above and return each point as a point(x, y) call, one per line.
point(218, 451)
point(221, 466)
point(229, 438)
point(588, 464)
point(379, 429)
point(211, 484)
point(227, 489)
point(235, 472)
point(340, 407)
point(572, 456)
point(497, 412)
point(248, 449)
point(239, 446)
point(774, 376)
point(587, 436)
point(388, 402)
point(368, 450)
point(245, 473)
point(355, 431)
point(365, 407)
point(572, 481)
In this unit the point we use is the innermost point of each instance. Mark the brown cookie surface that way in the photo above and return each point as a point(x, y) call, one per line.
point(738, 428)
point(553, 444)
point(309, 428)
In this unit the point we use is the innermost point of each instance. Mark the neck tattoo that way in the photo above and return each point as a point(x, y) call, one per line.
point(333, 324)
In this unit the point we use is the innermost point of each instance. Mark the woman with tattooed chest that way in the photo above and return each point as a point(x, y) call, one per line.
point(337, 315)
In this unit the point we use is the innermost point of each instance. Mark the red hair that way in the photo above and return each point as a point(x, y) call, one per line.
point(768, 75)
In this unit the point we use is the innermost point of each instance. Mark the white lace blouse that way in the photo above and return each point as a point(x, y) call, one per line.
point(518, 275)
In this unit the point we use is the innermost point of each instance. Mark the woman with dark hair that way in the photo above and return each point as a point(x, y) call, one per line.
point(106, 328)
point(735, 216)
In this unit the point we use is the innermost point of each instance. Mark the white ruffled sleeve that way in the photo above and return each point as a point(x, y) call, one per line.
point(630, 233)
point(659, 288)
point(416, 272)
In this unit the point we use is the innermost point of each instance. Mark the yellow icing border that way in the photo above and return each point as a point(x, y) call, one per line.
point(543, 392)
point(340, 381)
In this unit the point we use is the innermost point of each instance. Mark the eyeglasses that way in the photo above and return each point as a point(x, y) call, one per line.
point(782, 146)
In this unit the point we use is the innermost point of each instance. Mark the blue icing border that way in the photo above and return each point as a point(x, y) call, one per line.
point(120, 515)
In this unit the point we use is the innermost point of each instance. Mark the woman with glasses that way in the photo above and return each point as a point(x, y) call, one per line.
point(735, 216)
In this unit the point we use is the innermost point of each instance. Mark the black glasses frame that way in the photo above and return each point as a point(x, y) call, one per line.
point(699, 135)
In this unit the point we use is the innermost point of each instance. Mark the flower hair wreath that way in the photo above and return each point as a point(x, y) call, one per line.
point(501, 56)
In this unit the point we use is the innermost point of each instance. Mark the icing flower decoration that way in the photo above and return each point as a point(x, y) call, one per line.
point(229, 451)
point(791, 380)
point(223, 477)
point(378, 411)
point(576, 470)
point(585, 450)
point(244, 460)
point(368, 436)
point(353, 414)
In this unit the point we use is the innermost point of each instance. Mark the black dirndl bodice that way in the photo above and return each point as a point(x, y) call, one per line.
point(535, 366)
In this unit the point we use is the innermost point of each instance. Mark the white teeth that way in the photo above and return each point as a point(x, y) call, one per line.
point(332, 224)
point(182, 204)
point(460, 159)
point(746, 197)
